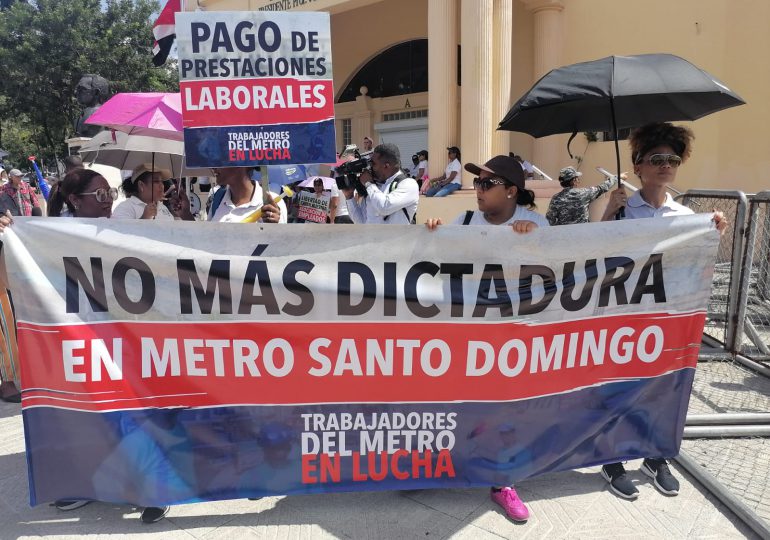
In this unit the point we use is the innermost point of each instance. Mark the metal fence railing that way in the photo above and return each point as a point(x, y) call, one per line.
point(727, 436)
point(753, 323)
point(722, 311)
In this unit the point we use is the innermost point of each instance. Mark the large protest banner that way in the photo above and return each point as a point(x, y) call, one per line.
point(256, 88)
point(216, 361)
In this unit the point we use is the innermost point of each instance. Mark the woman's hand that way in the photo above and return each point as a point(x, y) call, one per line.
point(271, 213)
point(150, 211)
point(618, 199)
point(433, 223)
point(6, 220)
point(523, 226)
point(720, 221)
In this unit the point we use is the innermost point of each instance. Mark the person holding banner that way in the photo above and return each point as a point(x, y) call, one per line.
point(657, 151)
point(82, 193)
point(391, 196)
point(240, 196)
point(502, 200)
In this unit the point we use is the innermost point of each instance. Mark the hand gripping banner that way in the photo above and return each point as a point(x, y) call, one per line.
point(210, 361)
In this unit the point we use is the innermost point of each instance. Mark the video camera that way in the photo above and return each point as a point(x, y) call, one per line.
point(348, 174)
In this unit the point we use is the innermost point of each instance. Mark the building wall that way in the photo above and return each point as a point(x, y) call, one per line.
point(728, 38)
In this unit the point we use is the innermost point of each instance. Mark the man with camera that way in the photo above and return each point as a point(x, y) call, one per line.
point(388, 196)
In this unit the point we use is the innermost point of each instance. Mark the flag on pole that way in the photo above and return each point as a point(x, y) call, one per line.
point(44, 189)
point(164, 32)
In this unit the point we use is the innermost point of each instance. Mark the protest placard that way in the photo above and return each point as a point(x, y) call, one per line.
point(256, 88)
point(312, 207)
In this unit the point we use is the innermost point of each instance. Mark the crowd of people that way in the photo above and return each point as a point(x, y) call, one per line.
point(389, 195)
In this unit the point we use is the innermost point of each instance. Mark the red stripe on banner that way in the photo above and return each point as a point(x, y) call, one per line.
point(263, 101)
point(126, 365)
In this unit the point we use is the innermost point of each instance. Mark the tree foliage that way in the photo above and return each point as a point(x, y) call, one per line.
point(47, 45)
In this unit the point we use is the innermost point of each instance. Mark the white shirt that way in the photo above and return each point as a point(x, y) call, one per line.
point(636, 208)
point(520, 214)
point(424, 166)
point(342, 207)
point(227, 212)
point(133, 208)
point(384, 206)
point(454, 165)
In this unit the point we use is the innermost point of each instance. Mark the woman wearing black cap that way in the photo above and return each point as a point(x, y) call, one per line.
point(443, 185)
point(502, 200)
point(501, 196)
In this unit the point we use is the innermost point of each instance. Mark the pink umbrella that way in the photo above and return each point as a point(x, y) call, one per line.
point(153, 114)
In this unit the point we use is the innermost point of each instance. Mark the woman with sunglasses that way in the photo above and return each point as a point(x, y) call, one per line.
point(501, 196)
point(82, 193)
point(657, 151)
point(502, 200)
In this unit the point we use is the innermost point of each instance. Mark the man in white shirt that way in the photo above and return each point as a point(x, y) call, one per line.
point(391, 196)
point(241, 197)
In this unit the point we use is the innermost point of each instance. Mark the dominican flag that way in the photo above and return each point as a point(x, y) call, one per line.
point(164, 32)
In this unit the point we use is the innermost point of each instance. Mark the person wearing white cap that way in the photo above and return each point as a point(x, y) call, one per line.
point(145, 191)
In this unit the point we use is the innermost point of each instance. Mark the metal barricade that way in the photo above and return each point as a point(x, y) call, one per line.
point(726, 437)
point(722, 311)
point(753, 323)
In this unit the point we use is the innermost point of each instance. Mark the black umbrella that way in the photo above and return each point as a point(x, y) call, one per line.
point(618, 92)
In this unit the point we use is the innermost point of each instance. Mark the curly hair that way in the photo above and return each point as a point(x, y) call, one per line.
point(645, 138)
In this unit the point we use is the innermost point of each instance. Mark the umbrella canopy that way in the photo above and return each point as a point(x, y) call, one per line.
point(126, 152)
point(309, 182)
point(638, 89)
point(154, 114)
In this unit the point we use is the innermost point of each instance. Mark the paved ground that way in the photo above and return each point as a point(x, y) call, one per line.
point(565, 505)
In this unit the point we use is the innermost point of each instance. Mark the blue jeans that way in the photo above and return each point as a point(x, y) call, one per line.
point(442, 191)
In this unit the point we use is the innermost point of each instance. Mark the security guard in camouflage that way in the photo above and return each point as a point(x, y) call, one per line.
point(570, 205)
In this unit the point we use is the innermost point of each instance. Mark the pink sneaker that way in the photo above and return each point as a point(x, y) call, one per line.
point(513, 506)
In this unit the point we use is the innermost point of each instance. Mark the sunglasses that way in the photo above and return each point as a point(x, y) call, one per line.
point(658, 160)
point(485, 184)
point(104, 195)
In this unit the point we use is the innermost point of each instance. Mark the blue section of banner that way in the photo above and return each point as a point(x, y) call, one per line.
point(154, 457)
point(231, 146)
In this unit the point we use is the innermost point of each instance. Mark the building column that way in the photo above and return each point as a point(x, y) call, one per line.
point(548, 47)
point(442, 82)
point(476, 77)
point(501, 76)
point(362, 124)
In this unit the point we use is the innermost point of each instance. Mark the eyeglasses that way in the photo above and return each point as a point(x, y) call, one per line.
point(658, 160)
point(104, 195)
point(485, 184)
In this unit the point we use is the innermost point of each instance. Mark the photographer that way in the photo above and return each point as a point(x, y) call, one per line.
point(391, 196)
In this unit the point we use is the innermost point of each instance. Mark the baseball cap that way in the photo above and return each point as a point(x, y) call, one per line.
point(15, 172)
point(165, 174)
point(568, 174)
point(503, 166)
